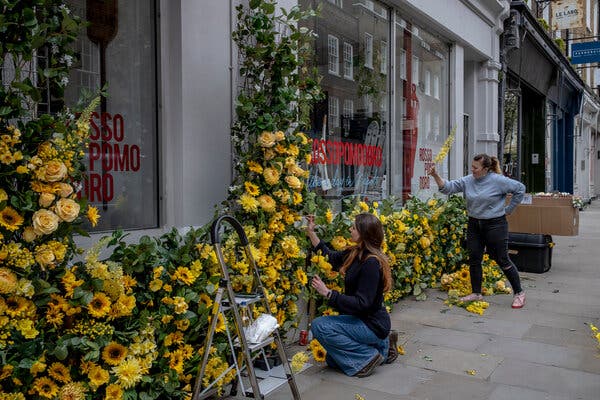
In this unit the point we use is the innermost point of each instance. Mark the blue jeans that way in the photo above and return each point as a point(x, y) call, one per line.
point(350, 344)
point(490, 235)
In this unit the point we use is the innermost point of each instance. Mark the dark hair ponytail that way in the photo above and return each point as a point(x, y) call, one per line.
point(491, 163)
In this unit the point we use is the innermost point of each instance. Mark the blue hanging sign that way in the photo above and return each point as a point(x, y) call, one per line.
point(585, 52)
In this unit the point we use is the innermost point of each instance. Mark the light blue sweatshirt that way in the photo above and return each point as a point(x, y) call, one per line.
point(486, 196)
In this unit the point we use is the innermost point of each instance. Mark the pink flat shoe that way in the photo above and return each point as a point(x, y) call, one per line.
point(518, 300)
point(471, 297)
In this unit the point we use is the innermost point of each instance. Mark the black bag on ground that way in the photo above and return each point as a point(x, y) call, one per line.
point(530, 252)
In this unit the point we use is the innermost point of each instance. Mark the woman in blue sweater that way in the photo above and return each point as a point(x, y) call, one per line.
point(356, 340)
point(485, 191)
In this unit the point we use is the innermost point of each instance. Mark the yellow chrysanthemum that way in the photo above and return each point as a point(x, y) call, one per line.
point(128, 373)
point(298, 361)
point(271, 176)
point(93, 215)
point(267, 203)
point(248, 203)
point(72, 391)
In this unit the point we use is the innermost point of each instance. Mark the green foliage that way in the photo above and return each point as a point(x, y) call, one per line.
point(279, 84)
point(30, 29)
point(561, 44)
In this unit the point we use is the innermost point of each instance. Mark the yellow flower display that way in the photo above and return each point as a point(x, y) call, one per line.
point(445, 147)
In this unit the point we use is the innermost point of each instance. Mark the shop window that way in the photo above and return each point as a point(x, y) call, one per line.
point(118, 49)
point(424, 120)
point(348, 61)
point(334, 56)
point(368, 50)
point(357, 106)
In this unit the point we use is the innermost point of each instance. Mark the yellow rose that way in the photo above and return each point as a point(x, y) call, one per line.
point(67, 209)
point(44, 256)
point(3, 195)
point(294, 182)
point(266, 139)
point(62, 189)
point(29, 234)
point(46, 199)
point(56, 170)
point(279, 136)
point(45, 222)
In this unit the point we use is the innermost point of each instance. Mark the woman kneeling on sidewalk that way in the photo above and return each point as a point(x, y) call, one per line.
point(359, 339)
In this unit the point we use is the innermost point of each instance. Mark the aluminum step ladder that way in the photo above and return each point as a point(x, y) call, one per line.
point(253, 383)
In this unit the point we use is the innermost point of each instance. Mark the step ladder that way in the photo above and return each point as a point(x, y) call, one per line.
point(253, 383)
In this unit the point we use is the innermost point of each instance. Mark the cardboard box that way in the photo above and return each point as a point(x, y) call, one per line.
point(545, 219)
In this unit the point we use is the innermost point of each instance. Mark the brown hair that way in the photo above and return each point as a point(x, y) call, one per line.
point(370, 230)
point(490, 162)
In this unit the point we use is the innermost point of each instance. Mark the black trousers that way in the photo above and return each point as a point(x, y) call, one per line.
point(491, 236)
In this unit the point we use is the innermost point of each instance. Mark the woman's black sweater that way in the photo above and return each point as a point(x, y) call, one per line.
point(363, 291)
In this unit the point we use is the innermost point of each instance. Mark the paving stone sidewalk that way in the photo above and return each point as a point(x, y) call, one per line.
point(543, 351)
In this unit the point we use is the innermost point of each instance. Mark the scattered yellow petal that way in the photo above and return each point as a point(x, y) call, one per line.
point(471, 371)
point(400, 350)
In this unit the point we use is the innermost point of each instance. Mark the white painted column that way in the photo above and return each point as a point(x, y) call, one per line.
point(486, 123)
point(457, 95)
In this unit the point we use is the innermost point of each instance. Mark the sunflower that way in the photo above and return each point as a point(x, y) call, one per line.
point(319, 353)
point(464, 274)
point(204, 298)
point(301, 276)
point(114, 353)
point(59, 372)
point(15, 306)
point(100, 305)
point(45, 387)
point(251, 189)
point(93, 215)
point(10, 219)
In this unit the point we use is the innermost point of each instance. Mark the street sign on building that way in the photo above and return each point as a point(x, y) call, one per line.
point(585, 52)
point(567, 14)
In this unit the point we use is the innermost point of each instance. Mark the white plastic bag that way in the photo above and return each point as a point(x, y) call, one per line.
point(261, 328)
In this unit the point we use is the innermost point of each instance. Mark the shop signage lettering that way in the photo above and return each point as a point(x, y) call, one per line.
point(567, 14)
point(334, 153)
point(585, 52)
point(107, 153)
point(425, 156)
point(348, 182)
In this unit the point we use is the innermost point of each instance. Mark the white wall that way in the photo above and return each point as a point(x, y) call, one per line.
point(202, 149)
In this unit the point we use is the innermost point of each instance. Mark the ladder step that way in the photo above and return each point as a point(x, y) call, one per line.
point(267, 385)
point(257, 346)
point(242, 301)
